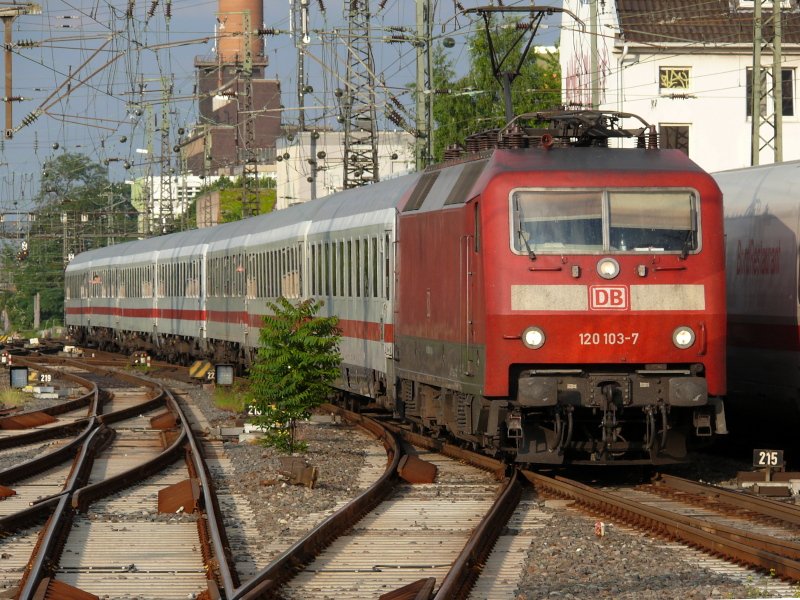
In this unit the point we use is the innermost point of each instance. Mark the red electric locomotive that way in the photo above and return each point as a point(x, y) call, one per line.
point(549, 298)
point(564, 303)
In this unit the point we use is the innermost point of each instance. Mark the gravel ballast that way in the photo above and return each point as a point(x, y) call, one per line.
point(566, 561)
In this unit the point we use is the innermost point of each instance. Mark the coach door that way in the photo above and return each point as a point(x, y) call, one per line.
point(387, 324)
point(466, 294)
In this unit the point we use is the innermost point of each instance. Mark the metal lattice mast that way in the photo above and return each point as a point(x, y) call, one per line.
point(250, 190)
point(766, 108)
point(360, 127)
point(166, 210)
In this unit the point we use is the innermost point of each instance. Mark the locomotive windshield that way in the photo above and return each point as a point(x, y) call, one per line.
point(572, 221)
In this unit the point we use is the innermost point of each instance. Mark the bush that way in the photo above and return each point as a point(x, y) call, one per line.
point(297, 361)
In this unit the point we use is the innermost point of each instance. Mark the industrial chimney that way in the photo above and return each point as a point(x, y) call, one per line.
point(231, 34)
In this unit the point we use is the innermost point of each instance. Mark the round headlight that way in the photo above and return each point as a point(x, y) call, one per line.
point(533, 337)
point(683, 337)
point(608, 268)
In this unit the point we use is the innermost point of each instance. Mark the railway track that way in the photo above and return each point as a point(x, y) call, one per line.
point(722, 523)
point(395, 540)
point(129, 511)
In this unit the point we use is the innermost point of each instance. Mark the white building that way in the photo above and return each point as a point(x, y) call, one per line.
point(150, 194)
point(310, 163)
point(684, 67)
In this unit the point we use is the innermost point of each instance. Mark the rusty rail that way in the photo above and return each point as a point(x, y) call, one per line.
point(91, 399)
point(58, 524)
point(75, 497)
point(304, 550)
point(219, 540)
point(493, 465)
point(789, 513)
point(466, 568)
point(717, 539)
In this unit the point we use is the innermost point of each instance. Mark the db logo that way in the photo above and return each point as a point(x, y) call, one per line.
point(608, 297)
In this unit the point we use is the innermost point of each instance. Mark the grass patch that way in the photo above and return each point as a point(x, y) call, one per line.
point(12, 397)
point(230, 398)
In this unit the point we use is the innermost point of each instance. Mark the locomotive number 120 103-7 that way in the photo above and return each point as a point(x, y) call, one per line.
point(608, 339)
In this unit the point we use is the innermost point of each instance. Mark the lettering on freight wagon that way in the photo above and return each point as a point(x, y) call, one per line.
point(755, 259)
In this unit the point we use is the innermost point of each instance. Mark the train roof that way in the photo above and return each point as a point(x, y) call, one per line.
point(350, 208)
point(363, 206)
point(594, 159)
point(762, 189)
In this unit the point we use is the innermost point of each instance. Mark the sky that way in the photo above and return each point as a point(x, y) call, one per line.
point(97, 74)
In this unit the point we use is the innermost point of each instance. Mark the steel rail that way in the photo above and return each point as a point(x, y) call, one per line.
point(77, 498)
point(493, 465)
point(717, 539)
point(39, 363)
point(466, 568)
point(266, 581)
point(51, 459)
point(91, 399)
point(219, 540)
point(82, 498)
point(81, 429)
point(789, 513)
point(49, 545)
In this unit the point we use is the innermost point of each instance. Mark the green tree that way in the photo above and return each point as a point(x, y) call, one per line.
point(230, 198)
point(475, 102)
point(297, 361)
point(77, 208)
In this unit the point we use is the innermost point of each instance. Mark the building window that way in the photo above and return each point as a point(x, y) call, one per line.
point(787, 79)
point(673, 78)
point(674, 137)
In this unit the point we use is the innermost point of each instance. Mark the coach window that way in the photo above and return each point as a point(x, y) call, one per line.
point(262, 275)
point(259, 274)
point(301, 267)
point(334, 270)
point(275, 277)
point(226, 276)
point(282, 271)
point(367, 259)
point(348, 269)
point(210, 279)
point(162, 276)
point(326, 268)
point(357, 265)
point(218, 277)
point(313, 259)
point(386, 267)
point(374, 264)
point(242, 273)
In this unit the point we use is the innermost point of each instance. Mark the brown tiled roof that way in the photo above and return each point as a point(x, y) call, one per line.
point(698, 21)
